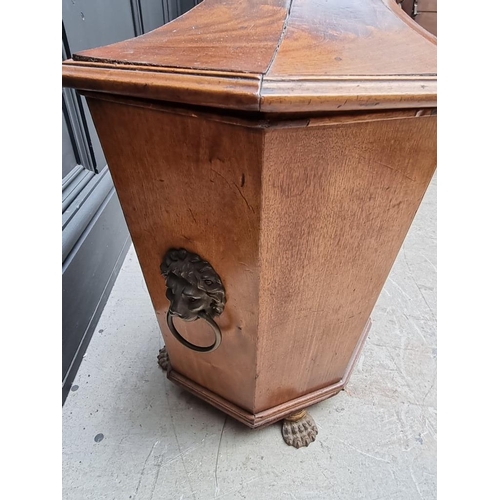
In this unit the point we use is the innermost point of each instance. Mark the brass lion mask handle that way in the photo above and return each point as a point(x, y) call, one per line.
point(195, 291)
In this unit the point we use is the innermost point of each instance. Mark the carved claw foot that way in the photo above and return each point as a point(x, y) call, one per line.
point(163, 358)
point(299, 429)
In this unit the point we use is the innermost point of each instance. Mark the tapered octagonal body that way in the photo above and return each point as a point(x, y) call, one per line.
point(288, 144)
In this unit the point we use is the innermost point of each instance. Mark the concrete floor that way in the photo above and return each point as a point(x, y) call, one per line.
point(128, 433)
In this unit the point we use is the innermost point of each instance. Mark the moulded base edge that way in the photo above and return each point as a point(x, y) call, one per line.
point(271, 415)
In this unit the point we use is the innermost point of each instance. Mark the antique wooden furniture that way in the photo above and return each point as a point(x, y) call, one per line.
point(424, 12)
point(269, 157)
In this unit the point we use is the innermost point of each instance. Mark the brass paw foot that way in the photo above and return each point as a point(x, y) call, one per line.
point(163, 360)
point(299, 429)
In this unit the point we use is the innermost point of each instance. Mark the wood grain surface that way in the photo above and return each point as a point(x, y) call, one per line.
point(279, 56)
point(302, 223)
point(337, 202)
point(193, 183)
point(347, 38)
point(233, 36)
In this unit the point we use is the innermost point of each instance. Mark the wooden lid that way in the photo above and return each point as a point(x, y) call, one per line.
point(273, 56)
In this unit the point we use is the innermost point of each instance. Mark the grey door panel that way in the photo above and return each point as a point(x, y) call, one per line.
point(69, 160)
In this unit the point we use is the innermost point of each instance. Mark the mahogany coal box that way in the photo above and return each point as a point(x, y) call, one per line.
point(269, 157)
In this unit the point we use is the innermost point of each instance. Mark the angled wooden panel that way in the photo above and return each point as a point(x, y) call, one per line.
point(207, 37)
point(336, 205)
point(343, 46)
point(185, 181)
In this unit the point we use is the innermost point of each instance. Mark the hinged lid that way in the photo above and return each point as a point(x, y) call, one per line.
point(280, 56)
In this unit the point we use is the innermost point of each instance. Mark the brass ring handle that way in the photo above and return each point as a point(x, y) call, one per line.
point(194, 347)
point(195, 291)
